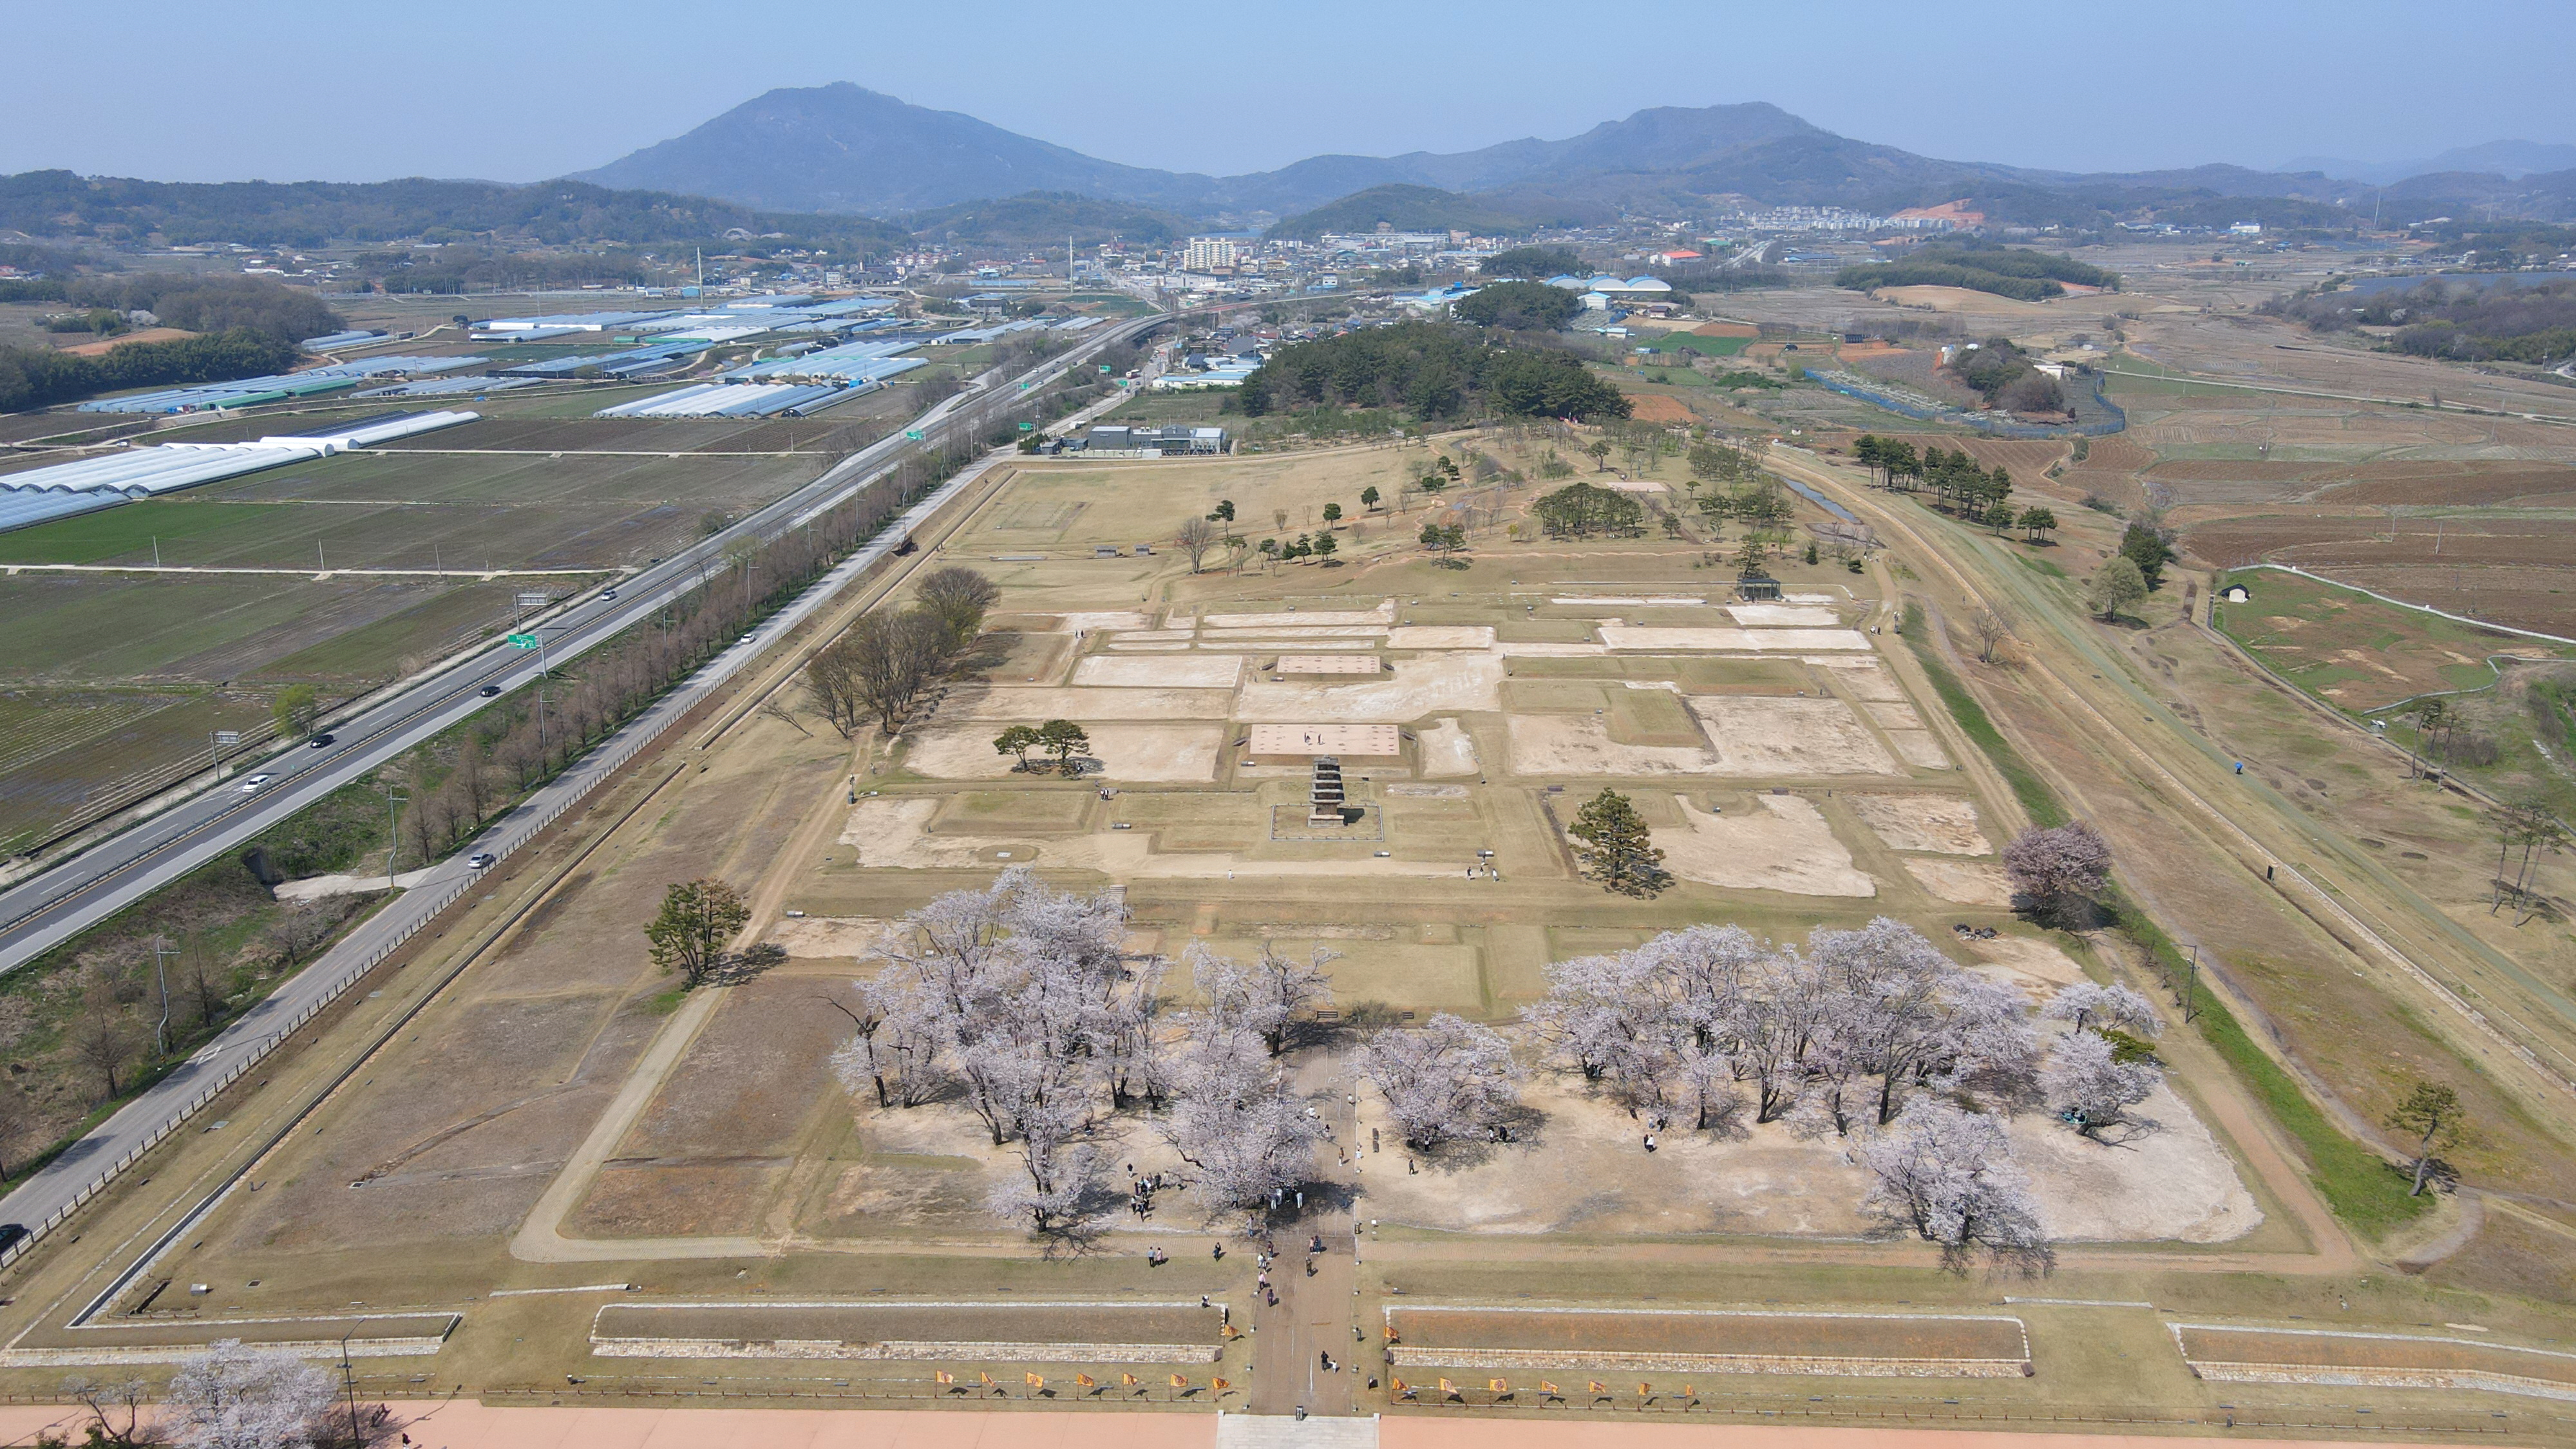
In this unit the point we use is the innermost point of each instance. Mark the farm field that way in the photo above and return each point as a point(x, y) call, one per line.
point(564, 1116)
point(561, 502)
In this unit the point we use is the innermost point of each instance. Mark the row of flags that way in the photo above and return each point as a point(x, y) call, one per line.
point(1499, 1386)
point(1038, 1381)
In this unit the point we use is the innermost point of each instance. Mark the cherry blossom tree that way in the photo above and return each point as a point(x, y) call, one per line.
point(232, 1397)
point(1235, 1119)
point(2090, 1086)
point(1263, 996)
point(1448, 1079)
point(2089, 1004)
point(2059, 870)
point(1949, 1176)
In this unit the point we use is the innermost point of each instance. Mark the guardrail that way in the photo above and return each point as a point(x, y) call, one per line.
point(577, 782)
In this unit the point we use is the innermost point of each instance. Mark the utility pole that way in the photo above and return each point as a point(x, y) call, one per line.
point(393, 842)
point(349, 1384)
point(2191, 992)
point(162, 951)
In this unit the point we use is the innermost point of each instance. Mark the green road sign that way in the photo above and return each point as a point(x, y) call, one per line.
point(913, 433)
point(1028, 427)
point(1104, 367)
point(523, 641)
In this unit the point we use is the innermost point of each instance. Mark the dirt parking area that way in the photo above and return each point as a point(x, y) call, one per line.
point(1942, 824)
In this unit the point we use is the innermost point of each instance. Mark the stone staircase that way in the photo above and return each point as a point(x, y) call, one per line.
point(1324, 799)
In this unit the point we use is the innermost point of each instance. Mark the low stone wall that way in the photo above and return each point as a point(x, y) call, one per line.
point(2382, 1378)
point(104, 1355)
point(903, 1352)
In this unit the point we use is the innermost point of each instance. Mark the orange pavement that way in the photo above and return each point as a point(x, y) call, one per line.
point(1411, 1432)
point(463, 1424)
point(467, 1425)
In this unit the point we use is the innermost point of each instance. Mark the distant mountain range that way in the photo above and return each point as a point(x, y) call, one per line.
point(843, 148)
point(2511, 160)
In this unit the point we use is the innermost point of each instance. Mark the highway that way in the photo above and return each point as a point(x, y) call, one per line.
point(45, 909)
point(120, 870)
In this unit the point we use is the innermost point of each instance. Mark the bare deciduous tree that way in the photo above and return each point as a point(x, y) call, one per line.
point(958, 597)
point(1990, 628)
point(1195, 537)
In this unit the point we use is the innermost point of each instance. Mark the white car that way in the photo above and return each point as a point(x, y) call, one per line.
point(251, 785)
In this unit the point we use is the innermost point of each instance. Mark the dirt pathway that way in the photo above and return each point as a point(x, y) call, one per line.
point(1317, 1291)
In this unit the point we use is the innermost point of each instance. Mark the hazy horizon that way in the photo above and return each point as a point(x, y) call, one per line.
point(515, 95)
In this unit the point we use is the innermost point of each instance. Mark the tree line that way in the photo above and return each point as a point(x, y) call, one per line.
point(2015, 272)
point(1432, 370)
point(35, 377)
point(1957, 484)
point(316, 213)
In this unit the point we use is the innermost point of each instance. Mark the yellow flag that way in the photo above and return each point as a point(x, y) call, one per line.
point(1599, 1387)
point(1545, 1387)
point(1447, 1387)
point(1220, 1383)
point(1390, 1332)
point(1689, 1393)
point(1645, 1388)
point(1086, 1380)
point(946, 1377)
point(1179, 1383)
point(985, 1379)
point(1498, 1386)
point(1128, 1379)
point(1399, 1385)
point(1034, 1381)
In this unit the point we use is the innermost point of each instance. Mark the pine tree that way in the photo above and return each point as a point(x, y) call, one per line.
point(1619, 849)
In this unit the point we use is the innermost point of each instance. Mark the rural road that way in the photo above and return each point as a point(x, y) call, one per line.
point(220, 821)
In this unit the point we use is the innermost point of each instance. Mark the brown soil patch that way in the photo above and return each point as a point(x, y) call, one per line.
point(1946, 824)
point(1784, 845)
point(1767, 735)
point(106, 345)
point(1969, 882)
point(861, 1323)
point(2331, 1350)
point(1556, 744)
point(1016, 704)
point(1138, 752)
point(1726, 329)
point(1792, 1334)
point(1197, 671)
point(1656, 407)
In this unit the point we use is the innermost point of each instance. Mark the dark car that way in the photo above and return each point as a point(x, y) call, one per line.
point(490, 691)
point(10, 1233)
point(321, 742)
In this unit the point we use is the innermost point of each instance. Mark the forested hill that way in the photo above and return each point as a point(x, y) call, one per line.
point(316, 213)
point(1418, 208)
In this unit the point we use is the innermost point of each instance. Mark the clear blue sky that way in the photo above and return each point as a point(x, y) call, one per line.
point(521, 91)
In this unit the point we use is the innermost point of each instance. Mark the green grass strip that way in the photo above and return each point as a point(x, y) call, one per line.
point(2033, 792)
point(2359, 1185)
